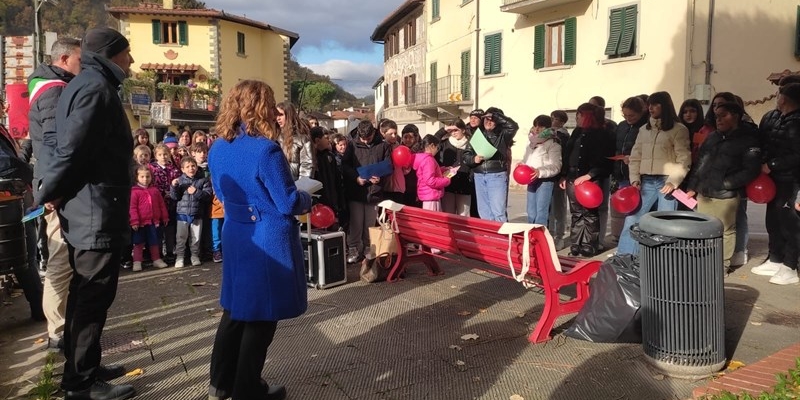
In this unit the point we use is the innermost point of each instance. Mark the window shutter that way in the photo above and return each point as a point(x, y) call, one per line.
point(183, 33)
point(434, 83)
point(435, 9)
point(487, 55)
point(498, 53)
point(156, 31)
point(538, 46)
point(797, 35)
point(570, 40)
point(465, 74)
point(614, 31)
point(628, 30)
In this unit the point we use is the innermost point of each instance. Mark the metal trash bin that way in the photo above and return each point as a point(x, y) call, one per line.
point(683, 326)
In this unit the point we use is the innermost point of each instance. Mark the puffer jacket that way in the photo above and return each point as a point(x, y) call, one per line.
point(452, 155)
point(147, 207)
point(360, 154)
point(659, 152)
point(430, 182)
point(626, 135)
point(302, 161)
point(502, 138)
point(782, 146)
point(545, 158)
point(726, 163)
point(191, 204)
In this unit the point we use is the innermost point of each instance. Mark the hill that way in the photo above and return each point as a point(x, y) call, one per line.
point(299, 74)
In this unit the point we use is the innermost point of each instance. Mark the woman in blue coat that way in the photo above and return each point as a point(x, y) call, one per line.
point(263, 279)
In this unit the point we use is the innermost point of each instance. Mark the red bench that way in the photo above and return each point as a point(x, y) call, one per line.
point(479, 240)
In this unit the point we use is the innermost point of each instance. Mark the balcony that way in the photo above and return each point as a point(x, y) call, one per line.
point(530, 6)
point(447, 90)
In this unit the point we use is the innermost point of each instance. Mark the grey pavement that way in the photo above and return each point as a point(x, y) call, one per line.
point(397, 340)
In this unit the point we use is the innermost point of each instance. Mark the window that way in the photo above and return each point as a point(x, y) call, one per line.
point(170, 32)
point(465, 74)
point(240, 47)
point(410, 33)
point(434, 10)
point(554, 44)
point(410, 85)
point(394, 93)
point(492, 54)
point(622, 32)
point(385, 96)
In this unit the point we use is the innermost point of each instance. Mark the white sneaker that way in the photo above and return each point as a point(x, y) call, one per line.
point(739, 258)
point(196, 261)
point(160, 264)
point(784, 276)
point(137, 266)
point(179, 263)
point(768, 268)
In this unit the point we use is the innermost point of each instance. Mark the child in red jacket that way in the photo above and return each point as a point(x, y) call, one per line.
point(430, 179)
point(147, 211)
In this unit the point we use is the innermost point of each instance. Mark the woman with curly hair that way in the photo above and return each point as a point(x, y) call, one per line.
point(263, 278)
point(295, 140)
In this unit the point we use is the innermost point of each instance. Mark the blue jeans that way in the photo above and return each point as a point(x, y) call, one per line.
point(649, 190)
point(540, 193)
point(216, 233)
point(491, 193)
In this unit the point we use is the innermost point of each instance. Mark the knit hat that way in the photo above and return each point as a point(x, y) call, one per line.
point(104, 41)
point(478, 112)
point(171, 142)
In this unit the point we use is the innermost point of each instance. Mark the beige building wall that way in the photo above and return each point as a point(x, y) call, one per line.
point(139, 31)
point(410, 60)
point(263, 58)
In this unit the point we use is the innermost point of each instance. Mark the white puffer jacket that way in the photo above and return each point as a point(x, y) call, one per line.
point(544, 157)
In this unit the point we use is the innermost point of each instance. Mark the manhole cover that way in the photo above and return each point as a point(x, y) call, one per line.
point(122, 342)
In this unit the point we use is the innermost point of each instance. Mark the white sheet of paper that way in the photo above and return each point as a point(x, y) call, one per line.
point(308, 185)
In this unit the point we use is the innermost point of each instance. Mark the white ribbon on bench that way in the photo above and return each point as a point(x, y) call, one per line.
point(511, 228)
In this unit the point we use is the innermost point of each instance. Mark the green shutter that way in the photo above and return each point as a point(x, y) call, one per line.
point(487, 55)
point(183, 33)
point(538, 46)
point(156, 31)
point(498, 53)
point(434, 83)
point(614, 31)
point(797, 35)
point(628, 31)
point(570, 40)
point(435, 9)
point(465, 74)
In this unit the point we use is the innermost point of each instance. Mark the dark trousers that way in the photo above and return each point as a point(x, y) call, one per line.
point(91, 292)
point(28, 275)
point(585, 228)
point(240, 349)
point(783, 226)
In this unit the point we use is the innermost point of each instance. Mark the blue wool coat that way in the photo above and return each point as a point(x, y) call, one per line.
point(263, 274)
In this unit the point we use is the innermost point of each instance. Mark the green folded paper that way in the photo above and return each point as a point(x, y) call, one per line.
point(481, 145)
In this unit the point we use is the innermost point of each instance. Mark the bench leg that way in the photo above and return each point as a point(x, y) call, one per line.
point(549, 314)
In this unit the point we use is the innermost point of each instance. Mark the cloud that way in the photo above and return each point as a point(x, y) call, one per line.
point(357, 78)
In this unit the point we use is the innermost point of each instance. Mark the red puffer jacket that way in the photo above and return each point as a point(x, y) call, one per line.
point(147, 207)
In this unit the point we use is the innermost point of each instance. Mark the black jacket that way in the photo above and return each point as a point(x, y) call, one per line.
point(502, 138)
point(191, 204)
point(12, 166)
point(88, 167)
point(591, 149)
point(782, 145)
point(625, 138)
point(726, 163)
point(451, 156)
point(332, 192)
point(360, 154)
point(42, 117)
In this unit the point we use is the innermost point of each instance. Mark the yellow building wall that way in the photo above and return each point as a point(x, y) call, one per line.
point(264, 58)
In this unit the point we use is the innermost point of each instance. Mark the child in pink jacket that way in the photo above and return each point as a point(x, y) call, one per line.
point(147, 211)
point(430, 181)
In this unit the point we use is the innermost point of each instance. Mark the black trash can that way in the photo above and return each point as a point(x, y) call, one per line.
point(683, 326)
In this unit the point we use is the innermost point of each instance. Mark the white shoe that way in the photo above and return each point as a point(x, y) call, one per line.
point(137, 266)
point(739, 258)
point(196, 261)
point(768, 268)
point(160, 264)
point(179, 263)
point(784, 276)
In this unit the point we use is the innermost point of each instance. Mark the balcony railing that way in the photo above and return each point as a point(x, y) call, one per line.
point(445, 90)
point(529, 6)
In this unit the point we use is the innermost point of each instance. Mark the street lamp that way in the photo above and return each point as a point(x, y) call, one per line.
point(335, 103)
point(37, 34)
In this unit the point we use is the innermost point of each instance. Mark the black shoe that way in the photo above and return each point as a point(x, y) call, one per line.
point(574, 251)
point(276, 392)
point(588, 251)
point(55, 345)
point(102, 391)
point(110, 372)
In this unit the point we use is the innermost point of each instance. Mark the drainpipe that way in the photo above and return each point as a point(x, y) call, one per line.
point(709, 66)
point(477, 50)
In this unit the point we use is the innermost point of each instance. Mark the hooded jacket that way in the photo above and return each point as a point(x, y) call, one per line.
point(89, 167)
point(726, 163)
point(360, 154)
point(430, 182)
point(147, 206)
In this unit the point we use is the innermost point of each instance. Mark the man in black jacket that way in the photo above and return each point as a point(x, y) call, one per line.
point(87, 179)
point(45, 86)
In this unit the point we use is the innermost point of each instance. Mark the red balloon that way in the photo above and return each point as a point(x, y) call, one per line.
point(589, 194)
point(523, 174)
point(322, 216)
point(402, 156)
point(626, 200)
point(761, 190)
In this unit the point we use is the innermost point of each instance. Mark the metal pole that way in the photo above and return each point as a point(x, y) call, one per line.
point(36, 5)
point(477, 50)
point(709, 66)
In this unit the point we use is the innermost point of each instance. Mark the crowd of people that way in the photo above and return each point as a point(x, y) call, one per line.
point(115, 202)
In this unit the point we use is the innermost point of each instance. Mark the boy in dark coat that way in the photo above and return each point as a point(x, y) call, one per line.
point(332, 193)
point(191, 193)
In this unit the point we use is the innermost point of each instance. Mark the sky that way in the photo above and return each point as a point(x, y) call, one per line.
point(334, 35)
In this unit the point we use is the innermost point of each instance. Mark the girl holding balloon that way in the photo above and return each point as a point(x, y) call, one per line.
point(543, 156)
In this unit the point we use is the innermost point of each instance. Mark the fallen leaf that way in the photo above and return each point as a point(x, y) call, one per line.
point(734, 365)
point(137, 342)
point(460, 363)
point(464, 313)
point(756, 323)
point(452, 287)
point(454, 347)
point(482, 310)
point(658, 377)
point(204, 269)
point(194, 275)
point(516, 397)
point(476, 378)
point(217, 314)
point(39, 341)
point(521, 315)
point(470, 336)
point(198, 284)
point(137, 371)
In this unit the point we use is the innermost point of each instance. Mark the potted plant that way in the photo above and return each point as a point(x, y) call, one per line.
point(211, 97)
point(145, 80)
point(168, 91)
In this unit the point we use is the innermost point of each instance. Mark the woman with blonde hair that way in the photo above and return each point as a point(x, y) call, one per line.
point(263, 278)
point(295, 140)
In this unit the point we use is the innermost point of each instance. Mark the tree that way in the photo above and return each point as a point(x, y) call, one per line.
point(317, 94)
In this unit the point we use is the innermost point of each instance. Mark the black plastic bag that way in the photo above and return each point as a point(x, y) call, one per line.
point(611, 315)
point(650, 239)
